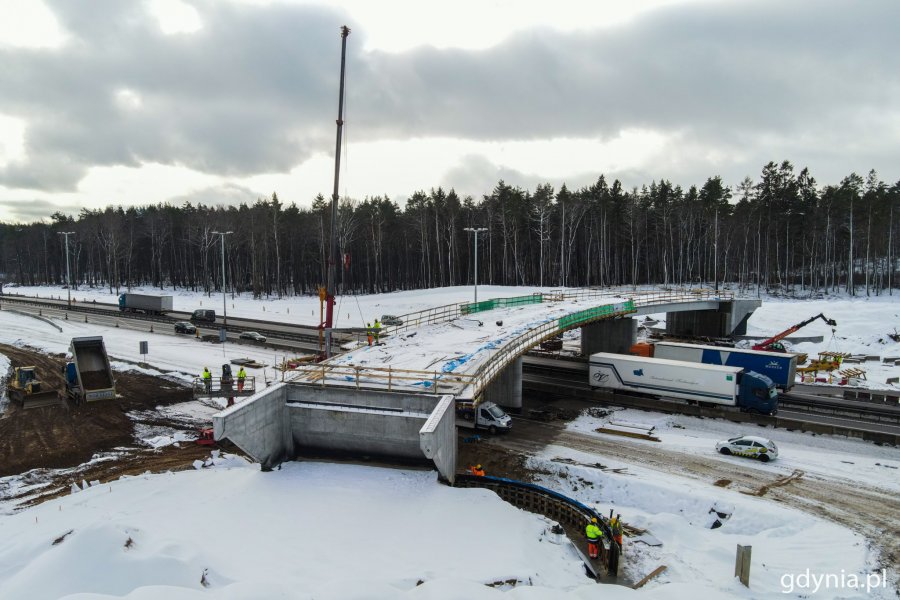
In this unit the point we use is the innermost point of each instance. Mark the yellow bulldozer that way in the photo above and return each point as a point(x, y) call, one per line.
point(27, 390)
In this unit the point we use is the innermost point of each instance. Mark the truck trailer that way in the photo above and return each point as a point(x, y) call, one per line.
point(88, 375)
point(152, 305)
point(695, 382)
point(779, 367)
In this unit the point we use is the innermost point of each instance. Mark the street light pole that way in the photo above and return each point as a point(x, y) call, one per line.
point(68, 273)
point(476, 231)
point(222, 235)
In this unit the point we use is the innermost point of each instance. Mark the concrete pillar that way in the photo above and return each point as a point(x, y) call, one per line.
point(260, 427)
point(730, 319)
point(506, 389)
point(701, 323)
point(612, 335)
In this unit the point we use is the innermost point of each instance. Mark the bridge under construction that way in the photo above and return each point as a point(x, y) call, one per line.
point(397, 399)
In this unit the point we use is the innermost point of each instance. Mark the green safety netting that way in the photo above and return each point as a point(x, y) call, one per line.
point(598, 312)
point(477, 307)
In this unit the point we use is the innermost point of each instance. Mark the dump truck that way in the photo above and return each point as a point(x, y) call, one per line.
point(780, 368)
point(28, 391)
point(152, 305)
point(88, 375)
point(484, 415)
point(695, 382)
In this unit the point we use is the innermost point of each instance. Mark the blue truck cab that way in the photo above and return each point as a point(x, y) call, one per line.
point(757, 393)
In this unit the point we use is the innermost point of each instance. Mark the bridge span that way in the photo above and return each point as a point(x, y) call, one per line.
point(397, 399)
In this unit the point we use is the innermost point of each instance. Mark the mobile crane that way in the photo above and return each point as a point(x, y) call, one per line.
point(773, 344)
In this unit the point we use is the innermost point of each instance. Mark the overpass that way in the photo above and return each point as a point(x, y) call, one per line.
point(397, 399)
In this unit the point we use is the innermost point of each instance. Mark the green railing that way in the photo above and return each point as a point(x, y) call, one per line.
point(597, 312)
point(477, 307)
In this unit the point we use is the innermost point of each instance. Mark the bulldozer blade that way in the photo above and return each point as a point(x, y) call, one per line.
point(42, 399)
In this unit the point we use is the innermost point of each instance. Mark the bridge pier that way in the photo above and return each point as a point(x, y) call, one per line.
point(729, 319)
point(613, 335)
point(506, 389)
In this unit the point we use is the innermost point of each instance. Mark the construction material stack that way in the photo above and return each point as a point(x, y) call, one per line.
point(88, 375)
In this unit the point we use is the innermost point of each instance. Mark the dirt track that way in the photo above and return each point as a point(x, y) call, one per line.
point(870, 511)
point(55, 437)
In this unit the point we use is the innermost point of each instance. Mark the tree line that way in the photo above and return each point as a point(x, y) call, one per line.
point(781, 232)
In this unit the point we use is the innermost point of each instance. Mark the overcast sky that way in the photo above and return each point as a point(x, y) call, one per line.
point(125, 102)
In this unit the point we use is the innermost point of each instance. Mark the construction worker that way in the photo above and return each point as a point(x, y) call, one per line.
point(369, 332)
point(617, 528)
point(477, 470)
point(376, 329)
point(207, 379)
point(242, 375)
point(594, 535)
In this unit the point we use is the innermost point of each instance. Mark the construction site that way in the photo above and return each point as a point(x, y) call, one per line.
point(71, 418)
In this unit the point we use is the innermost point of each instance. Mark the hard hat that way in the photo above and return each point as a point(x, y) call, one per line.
point(478, 466)
point(593, 519)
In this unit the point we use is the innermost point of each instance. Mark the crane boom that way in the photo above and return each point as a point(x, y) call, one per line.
point(767, 345)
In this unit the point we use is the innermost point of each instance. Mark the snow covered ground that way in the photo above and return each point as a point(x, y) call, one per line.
point(321, 530)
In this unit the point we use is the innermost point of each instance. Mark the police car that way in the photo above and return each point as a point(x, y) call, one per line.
point(750, 446)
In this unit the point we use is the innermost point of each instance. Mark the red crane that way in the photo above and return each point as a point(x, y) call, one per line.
point(773, 343)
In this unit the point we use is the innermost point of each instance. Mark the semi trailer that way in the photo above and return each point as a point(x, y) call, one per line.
point(152, 305)
point(695, 382)
point(779, 367)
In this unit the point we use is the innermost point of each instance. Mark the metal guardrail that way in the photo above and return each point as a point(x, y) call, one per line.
point(556, 506)
point(219, 389)
point(391, 379)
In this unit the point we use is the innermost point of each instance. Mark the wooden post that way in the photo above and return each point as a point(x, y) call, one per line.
point(357, 377)
point(389, 378)
point(742, 564)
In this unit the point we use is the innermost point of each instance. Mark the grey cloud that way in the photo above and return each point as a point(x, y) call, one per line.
point(222, 195)
point(255, 89)
point(28, 211)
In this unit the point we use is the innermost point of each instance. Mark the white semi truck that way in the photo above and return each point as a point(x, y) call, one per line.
point(152, 305)
point(696, 382)
point(484, 415)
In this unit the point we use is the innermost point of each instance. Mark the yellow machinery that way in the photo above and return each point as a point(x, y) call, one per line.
point(26, 389)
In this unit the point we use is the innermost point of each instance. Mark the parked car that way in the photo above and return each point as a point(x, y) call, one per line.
point(253, 336)
point(391, 321)
point(750, 446)
point(204, 314)
point(185, 327)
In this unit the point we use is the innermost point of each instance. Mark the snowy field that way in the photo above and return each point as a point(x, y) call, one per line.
point(863, 324)
point(321, 530)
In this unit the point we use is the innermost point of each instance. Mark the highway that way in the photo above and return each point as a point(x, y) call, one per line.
point(569, 378)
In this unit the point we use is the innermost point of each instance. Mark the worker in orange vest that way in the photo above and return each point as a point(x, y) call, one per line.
point(477, 470)
point(369, 332)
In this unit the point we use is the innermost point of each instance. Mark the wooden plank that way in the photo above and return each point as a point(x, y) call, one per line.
point(629, 434)
point(655, 572)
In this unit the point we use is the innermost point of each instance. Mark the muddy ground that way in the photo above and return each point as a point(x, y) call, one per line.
point(60, 437)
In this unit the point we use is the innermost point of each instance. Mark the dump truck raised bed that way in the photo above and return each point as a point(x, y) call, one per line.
point(88, 375)
point(779, 367)
point(705, 384)
point(152, 305)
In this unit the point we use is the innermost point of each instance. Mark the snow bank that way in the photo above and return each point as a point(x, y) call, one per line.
point(309, 530)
